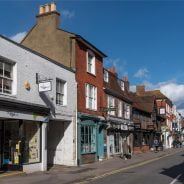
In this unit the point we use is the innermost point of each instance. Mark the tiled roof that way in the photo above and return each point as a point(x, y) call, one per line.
point(143, 103)
point(113, 88)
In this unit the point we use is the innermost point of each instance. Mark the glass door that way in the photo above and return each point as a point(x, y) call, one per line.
point(11, 145)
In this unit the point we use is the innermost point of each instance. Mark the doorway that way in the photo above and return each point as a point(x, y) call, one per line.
point(10, 145)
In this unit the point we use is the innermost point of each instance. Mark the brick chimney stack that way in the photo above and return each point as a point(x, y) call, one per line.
point(140, 90)
point(48, 15)
point(113, 70)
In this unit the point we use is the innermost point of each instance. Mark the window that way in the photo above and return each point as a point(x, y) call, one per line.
point(6, 77)
point(119, 108)
point(88, 139)
point(117, 142)
point(162, 110)
point(110, 104)
point(126, 111)
point(32, 144)
point(91, 97)
point(122, 85)
point(60, 92)
point(91, 62)
point(106, 76)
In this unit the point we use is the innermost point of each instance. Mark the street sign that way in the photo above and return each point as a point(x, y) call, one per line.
point(44, 86)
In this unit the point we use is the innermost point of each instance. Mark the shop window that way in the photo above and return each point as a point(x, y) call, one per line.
point(91, 63)
point(88, 139)
point(6, 77)
point(60, 92)
point(32, 142)
point(91, 97)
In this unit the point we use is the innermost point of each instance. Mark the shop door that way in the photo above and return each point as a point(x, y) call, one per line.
point(11, 156)
point(101, 142)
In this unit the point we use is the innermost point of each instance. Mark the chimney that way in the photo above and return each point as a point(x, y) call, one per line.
point(113, 70)
point(126, 82)
point(140, 90)
point(48, 16)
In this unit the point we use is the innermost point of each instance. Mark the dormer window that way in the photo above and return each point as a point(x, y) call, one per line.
point(91, 62)
point(106, 76)
point(122, 85)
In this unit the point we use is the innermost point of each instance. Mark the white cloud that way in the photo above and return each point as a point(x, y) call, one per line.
point(119, 64)
point(142, 73)
point(18, 36)
point(68, 14)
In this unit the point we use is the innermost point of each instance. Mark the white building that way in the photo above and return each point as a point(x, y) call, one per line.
point(36, 127)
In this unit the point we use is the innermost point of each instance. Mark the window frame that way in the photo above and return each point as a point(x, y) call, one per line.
point(127, 113)
point(93, 64)
point(120, 109)
point(64, 94)
point(93, 97)
point(88, 145)
point(10, 79)
point(109, 97)
point(106, 77)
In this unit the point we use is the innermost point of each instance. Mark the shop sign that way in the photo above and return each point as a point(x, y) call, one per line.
point(44, 86)
point(124, 127)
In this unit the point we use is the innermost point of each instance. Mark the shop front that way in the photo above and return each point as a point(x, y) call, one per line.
point(90, 139)
point(23, 130)
point(119, 131)
point(20, 143)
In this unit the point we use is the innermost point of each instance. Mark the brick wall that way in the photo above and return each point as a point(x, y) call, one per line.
point(83, 77)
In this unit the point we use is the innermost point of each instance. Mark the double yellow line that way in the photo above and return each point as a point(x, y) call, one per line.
point(124, 169)
point(11, 174)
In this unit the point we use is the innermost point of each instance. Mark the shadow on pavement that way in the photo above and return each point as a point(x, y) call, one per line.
point(175, 171)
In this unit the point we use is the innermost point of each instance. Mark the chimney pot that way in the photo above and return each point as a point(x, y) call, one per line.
point(53, 7)
point(47, 8)
point(125, 78)
point(42, 9)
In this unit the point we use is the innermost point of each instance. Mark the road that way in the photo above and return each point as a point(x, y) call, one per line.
point(168, 170)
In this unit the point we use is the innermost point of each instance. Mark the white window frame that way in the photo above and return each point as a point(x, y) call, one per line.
point(64, 94)
point(106, 76)
point(126, 111)
point(111, 104)
point(122, 85)
point(93, 64)
point(91, 100)
point(13, 78)
point(120, 114)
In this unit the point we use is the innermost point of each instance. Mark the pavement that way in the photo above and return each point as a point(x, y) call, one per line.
point(88, 172)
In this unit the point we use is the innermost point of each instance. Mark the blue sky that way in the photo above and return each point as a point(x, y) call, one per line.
point(144, 39)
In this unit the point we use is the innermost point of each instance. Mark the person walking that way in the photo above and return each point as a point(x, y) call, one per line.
point(156, 144)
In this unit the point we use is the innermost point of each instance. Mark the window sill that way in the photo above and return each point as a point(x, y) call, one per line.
point(8, 95)
point(94, 110)
point(57, 105)
point(92, 74)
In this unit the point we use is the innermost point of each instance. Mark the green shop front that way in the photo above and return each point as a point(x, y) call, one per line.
point(91, 139)
point(22, 136)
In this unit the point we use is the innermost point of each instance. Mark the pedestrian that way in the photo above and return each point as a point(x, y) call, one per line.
point(125, 149)
point(156, 144)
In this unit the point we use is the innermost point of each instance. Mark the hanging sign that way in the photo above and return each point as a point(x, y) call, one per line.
point(44, 86)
